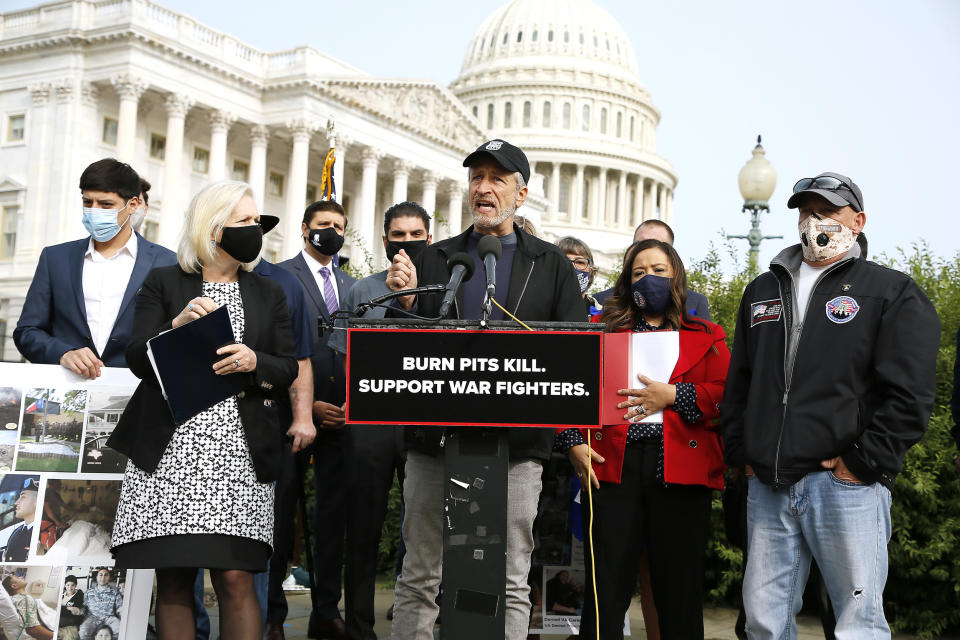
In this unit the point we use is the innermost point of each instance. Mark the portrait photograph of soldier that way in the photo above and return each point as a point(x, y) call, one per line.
point(91, 603)
point(18, 512)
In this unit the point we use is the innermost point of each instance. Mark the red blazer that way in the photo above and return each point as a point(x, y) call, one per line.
point(692, 453)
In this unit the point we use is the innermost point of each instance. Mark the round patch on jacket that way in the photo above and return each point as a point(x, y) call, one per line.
point(842, 309)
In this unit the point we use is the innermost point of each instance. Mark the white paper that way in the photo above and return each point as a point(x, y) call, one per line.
point(655, 355)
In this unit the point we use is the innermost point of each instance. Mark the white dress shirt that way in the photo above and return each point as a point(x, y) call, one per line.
point(315, 267)
point(104, 283)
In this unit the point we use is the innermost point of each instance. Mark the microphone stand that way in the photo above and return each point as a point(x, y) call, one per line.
point(486, 309)
point(364, 306)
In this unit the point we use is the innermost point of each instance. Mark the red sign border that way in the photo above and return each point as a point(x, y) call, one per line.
point(598, 425)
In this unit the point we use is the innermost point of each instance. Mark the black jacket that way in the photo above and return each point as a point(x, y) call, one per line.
point(543, 286)
point(146, 426)
point(854, 376)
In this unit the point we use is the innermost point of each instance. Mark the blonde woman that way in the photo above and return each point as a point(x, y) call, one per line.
point(200, 494)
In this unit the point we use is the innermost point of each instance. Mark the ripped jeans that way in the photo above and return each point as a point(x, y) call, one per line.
point(844, 526)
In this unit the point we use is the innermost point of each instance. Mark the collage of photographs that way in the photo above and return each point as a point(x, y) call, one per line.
point(54, 430)
point(59, 491)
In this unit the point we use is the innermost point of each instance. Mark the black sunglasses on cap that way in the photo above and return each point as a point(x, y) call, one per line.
point(829, 183)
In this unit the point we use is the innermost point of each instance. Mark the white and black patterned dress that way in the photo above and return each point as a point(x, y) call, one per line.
point(203, 506)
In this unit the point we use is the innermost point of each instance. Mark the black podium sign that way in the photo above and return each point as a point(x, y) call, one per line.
point(477, 378)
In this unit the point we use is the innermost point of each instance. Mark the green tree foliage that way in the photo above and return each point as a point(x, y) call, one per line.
point(923, 589)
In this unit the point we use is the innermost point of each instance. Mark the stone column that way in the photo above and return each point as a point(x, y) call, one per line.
point(401, 175)
point(30, 238)
point(259, 135)
point(576, 202)
point(364, 212)
point(661, 198)
point(637, 204)
point(85, 137)
point(172, 199)
point(649, 199)
point(302, 130)
point(454, 225)
point(623, 214)
point(598, 217)
point(667, 216)
point(64, 175)
point(554, 196)
point(429, 198)
point(220, 122)
point(129, 89)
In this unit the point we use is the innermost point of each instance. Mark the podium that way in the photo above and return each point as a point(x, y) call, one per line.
point(456, 375)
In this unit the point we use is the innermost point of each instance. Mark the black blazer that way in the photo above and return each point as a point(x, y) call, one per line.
point(146, 426)
point(329, 380)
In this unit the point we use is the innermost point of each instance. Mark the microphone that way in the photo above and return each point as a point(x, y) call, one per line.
point(461, 270)
point(490, 249)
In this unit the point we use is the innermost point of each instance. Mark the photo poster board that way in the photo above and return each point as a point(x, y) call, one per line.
point(59, 490)
point(558, 571)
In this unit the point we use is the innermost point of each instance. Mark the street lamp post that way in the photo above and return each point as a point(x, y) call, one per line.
point(757, 181)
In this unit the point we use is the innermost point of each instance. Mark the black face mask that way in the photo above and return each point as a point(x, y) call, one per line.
point(327, 241)
point(242, 243)
point(413, 248)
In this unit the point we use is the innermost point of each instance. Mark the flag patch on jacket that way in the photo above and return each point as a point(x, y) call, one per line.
point(842, 309)
point(765, 311)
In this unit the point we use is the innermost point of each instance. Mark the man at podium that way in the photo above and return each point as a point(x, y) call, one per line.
point(535, 282)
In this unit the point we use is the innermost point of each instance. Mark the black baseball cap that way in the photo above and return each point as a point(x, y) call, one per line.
point(268, 222)
point(507, 156)
point(835, 188)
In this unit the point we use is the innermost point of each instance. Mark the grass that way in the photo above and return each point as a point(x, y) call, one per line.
point(46, 464)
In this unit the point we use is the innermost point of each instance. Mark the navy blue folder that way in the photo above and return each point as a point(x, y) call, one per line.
point(183, 359)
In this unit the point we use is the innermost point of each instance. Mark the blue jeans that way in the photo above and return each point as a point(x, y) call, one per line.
point(844, 526)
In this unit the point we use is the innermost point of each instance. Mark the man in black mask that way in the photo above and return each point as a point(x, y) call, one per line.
point(374, 452)
point(325, 287)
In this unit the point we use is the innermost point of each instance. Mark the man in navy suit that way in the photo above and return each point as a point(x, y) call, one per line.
point(697, 304)
point(326, 286)
point(78, 312)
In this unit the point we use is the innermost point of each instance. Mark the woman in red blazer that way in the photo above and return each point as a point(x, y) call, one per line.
point(652, 483)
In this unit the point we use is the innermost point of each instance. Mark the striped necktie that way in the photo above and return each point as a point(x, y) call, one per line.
point(329, 295)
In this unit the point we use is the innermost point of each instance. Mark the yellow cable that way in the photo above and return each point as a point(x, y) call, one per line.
point(593, 561)
point(494, 300)
point(593, 558)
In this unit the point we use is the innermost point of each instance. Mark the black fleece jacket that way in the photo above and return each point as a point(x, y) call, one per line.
point(853, 375)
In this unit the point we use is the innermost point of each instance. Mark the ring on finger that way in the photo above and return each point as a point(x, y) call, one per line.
point(641, 410)
point(236, 364)
point(190, 307)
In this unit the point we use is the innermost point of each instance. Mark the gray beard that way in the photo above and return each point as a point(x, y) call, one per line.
point(489, 223)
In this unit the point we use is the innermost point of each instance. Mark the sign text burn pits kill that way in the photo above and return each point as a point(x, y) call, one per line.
point(469, 386)
point(454, 377)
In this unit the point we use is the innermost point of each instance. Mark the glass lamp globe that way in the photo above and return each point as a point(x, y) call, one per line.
point(757, 178)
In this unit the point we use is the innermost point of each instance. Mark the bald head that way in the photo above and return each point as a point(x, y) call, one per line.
point(654, 230)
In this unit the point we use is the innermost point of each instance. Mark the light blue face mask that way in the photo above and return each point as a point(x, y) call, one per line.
point(102, 223)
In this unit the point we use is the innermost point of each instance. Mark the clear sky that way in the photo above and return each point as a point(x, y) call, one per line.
point(867, 88)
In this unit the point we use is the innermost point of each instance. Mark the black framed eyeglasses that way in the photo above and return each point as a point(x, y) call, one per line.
point(580, 263)
point(826, 182)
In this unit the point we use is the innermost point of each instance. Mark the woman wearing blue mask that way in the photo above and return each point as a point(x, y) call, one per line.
point(652, 483)
point(581, 257)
